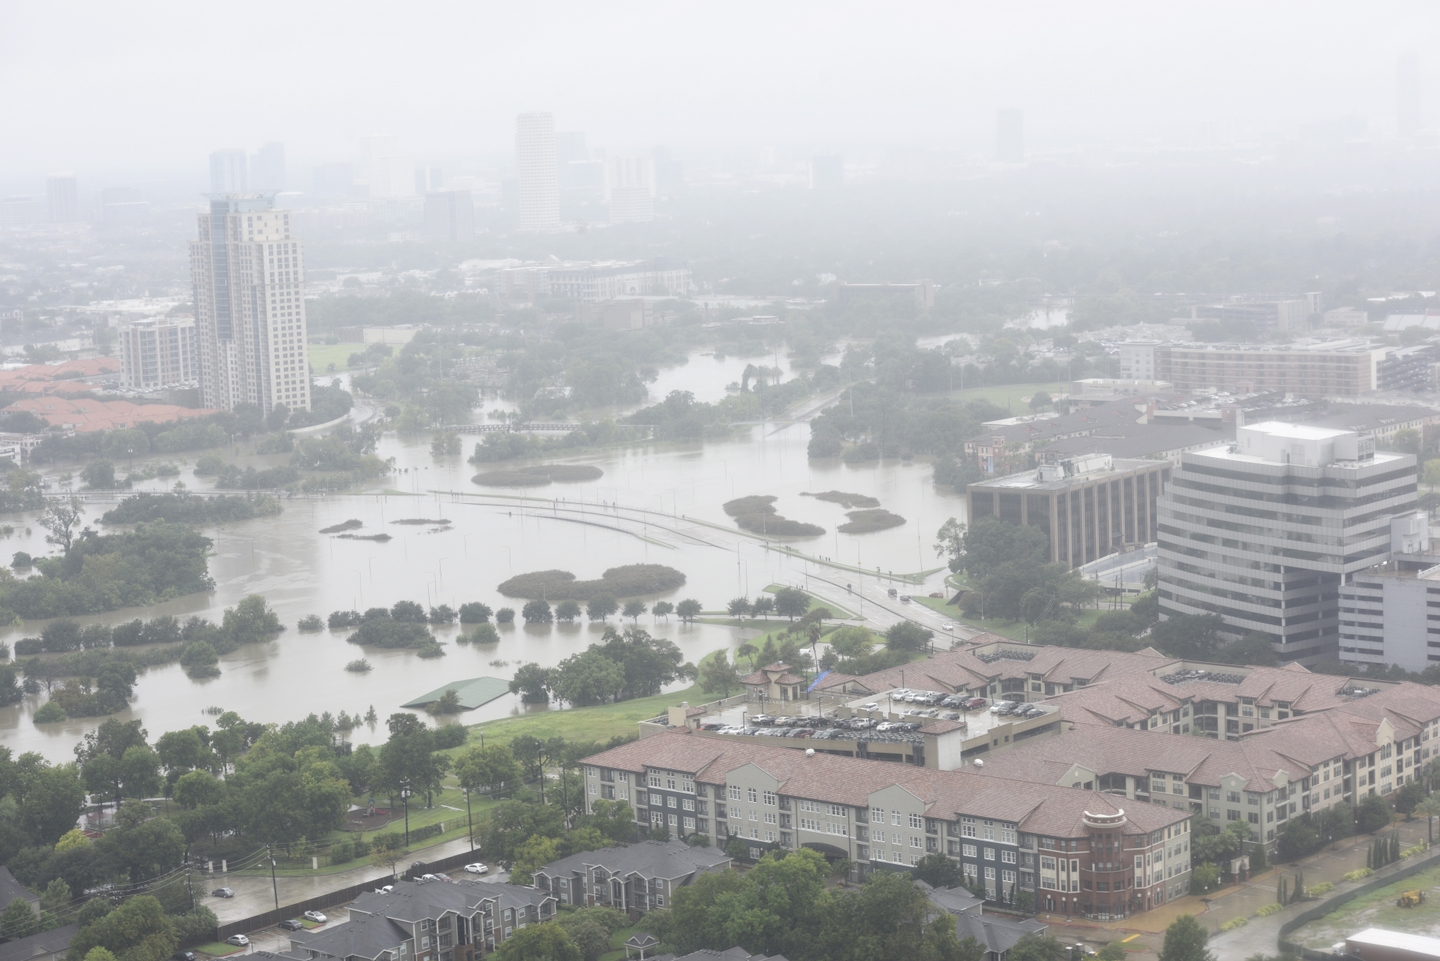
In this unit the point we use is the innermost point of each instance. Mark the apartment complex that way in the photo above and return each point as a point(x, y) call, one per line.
point(1372, 743)
point(427, 921)
point(248, 273)
point(537, 178)
point(1075, 852)
point(158, 352)
point(1320, 368)
point(1088, 505)
point(1264, 531)
point(635, 878)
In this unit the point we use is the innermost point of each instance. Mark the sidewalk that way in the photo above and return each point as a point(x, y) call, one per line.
point(254, 894)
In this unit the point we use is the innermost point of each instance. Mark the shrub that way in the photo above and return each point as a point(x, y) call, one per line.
point(506, 615)
point(21, 560)
point(1234, 923)
point(385, 632)
point(1357, 874)
point(340, 619)
point(358, 666)
point(1411, 852)
point(49, 713)
point(1324, 887)
point(1269, 909)
point(484, 634)
point(310, 622)
point(474, 613)
point(361, 847)
point(341, 852)
point(448, 735)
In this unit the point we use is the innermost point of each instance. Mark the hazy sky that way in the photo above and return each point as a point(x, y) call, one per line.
point(98, 86)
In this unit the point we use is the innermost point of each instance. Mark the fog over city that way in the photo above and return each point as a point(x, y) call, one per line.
point(760, 481)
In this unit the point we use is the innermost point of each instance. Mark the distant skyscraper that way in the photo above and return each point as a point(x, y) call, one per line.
point(429, 180)
point(539, 189)
point(62, 195)
point(229, 172)
point(1010, 136)
point(249, 279)
point(267, 170)
point(631, 184)
point(1407, 95)
point(381, 166)
point(450, 215)
point(827, 172)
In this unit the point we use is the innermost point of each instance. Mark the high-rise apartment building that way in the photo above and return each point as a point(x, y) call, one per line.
point(249, 276)
point(267, 169)
point(158, 352)
point(1265, 530)
point(537, 178)
point(62, 196)
point(229, 172)
point(1010, 136)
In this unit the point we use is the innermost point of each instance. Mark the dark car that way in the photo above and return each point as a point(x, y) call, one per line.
point(290, 924)
point(183, 956)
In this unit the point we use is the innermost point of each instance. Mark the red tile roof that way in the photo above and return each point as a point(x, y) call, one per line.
point(86, 414)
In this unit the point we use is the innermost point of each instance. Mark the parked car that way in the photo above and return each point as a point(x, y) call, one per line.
point(239, 940)
point(386, 889)
point(974, 703)
point(477, 868)
point(223, 893)
point(999, 706)
point(951, 716)
point(290, 924)
point(183, 956)
point(316, 916)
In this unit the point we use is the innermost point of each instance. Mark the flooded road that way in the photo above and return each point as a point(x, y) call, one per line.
point(652, 504)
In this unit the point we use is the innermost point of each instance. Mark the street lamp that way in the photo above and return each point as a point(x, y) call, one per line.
point(405, 795)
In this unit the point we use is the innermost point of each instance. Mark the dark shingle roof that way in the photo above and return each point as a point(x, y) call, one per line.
point(363, 936)
point(10, 889)
point(55, 941)
point(650, 859)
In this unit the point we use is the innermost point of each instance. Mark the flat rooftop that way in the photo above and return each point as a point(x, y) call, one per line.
point(1030, 479)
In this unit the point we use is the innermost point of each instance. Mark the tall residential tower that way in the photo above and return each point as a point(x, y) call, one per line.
point(249, 277)
point(536, 175)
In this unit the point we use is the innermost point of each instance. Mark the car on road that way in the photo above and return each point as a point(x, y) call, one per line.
point(477, 868)
point(290, 924)
point(892, 592)
point(223, 893)
point(947, 626)
point(316, 916)
point(239, 940)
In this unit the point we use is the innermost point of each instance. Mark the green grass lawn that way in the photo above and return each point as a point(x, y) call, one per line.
point(598, 723)
point(1014, 397)
point(617, 942)
point(323, 355)
point(1012, 629)
point(218, 949)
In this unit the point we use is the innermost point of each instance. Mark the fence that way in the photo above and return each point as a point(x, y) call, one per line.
point(331, 898)
point(1386, 875)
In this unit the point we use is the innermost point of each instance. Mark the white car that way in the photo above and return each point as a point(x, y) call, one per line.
point(315, 916)
point(477, 868)
point(947, 626)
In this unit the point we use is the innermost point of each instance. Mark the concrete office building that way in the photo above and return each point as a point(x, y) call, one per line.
point(62, 197)
point(1088, 506)
point(267, 168)
point(1010, 136)
point(1265, 530)
point(450, 215)
point(248, 273)
point(158, 352)
point(537, 178)
point(1388, 613)
point(229, 171)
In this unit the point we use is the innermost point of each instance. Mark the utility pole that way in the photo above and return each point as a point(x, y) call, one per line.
point(405, 794)
point(469, 822)
point(274, 886)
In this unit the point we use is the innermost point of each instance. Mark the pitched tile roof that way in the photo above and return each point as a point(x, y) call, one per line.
point(649, 859)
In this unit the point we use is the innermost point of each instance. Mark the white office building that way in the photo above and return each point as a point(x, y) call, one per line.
point(1390, 613)
point(158, 352)
point(248, 272)
point(1265, 531)
point(537, 180)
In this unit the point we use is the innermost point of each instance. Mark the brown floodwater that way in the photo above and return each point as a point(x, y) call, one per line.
point(657, 504)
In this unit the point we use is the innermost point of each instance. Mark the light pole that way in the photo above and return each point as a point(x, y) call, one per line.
point(469, 822)
point(405, 796)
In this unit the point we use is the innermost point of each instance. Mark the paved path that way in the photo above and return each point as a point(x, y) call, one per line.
point(254, 894)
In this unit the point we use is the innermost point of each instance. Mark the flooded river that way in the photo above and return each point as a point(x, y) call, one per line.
point(653, 504)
